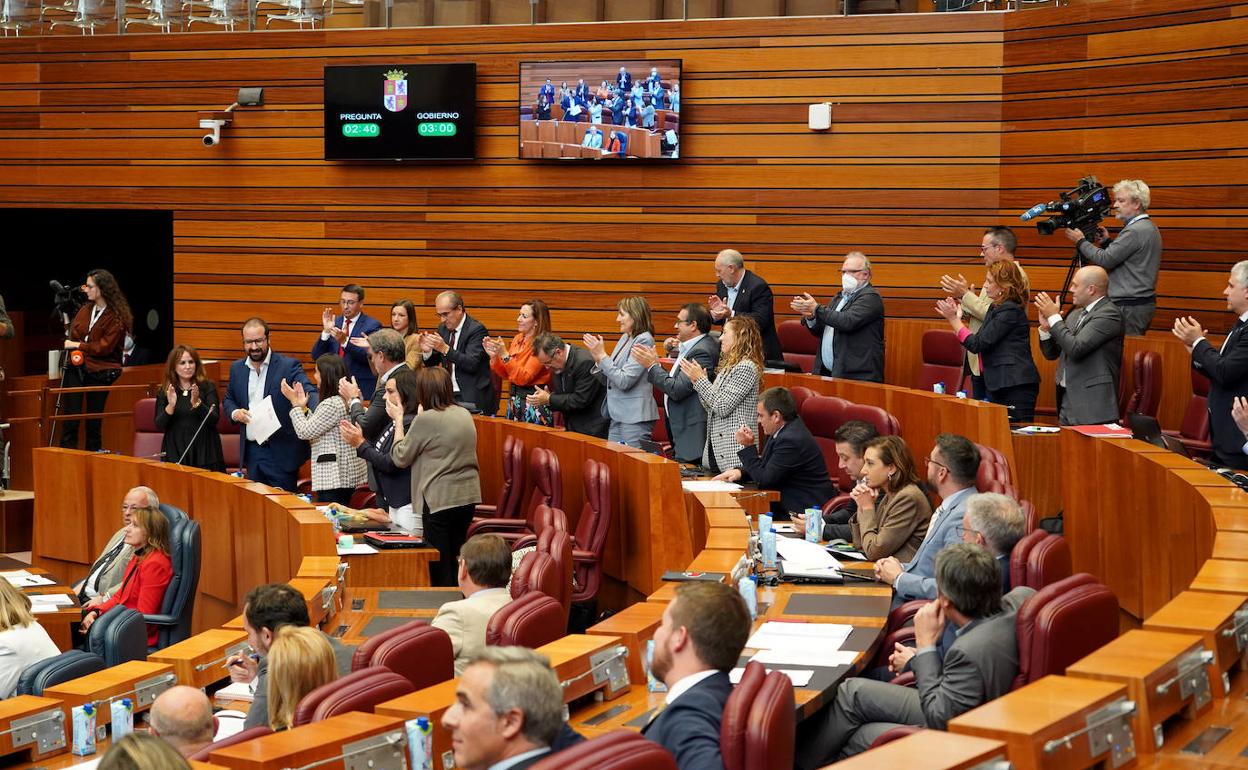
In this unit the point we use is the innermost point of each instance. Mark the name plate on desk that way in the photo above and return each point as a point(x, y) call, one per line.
point(1221, 621)
point(317, 744)
point(33, 724)
point(143, 680)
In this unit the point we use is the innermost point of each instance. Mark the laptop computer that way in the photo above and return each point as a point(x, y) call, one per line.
point(1146, 428)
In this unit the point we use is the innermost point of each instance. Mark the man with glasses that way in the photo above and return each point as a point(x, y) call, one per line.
point(346, 335)
point(576, 391)
point(742, 292)
point(850, 327)
point(996, 522)
point(997, 244)
point(686, 417)
point(106, 574)
point(276, 460)
point(951, 469)
point(457, 347)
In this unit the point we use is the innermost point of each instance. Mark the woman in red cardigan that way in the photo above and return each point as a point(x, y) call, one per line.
point(98, 333)
point(148, 573)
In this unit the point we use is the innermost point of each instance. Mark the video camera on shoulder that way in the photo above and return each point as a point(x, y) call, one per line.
point(1082, 208)
point(65, 299)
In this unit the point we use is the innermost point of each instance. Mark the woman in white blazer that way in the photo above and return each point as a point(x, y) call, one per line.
point(630, 397)
point(731, 400)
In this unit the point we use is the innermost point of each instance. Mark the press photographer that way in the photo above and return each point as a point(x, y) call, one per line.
point(1131, 258)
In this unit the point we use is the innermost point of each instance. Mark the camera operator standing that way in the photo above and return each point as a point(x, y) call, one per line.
point(1132, 258)
point(98, 333)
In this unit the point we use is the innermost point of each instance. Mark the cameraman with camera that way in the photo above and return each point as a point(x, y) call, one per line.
point(1132, 258)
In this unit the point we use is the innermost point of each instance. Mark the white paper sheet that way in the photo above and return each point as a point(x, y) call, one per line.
point(40, 609)
point(358, 549)
point(60, 600)
point(799, 553)
point(774, 635)
point(229, 722)
point(264, 422)
point(785, 657)
point(800, 677)
point(235, 691)
point(707, 485)
point(20, 578)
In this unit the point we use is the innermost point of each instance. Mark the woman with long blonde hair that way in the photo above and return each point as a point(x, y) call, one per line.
point(730, 401)
point(300, 660)
point(23, 642)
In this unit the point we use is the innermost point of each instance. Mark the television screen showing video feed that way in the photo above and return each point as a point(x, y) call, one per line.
point(600, 110)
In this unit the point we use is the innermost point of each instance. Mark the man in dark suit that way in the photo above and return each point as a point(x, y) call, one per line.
point(695, 646)
point(386, 355)
point(344, 335)
point(978, 666)
point(740, 292)
point(508, 710)
point(623, 81)
point(1088, 349)
point(457, 347)
point(576, 390)
point(850, 327)
point(1226, 367)
point(547, 90)
point(791, 461)
point(686, 417)
point(275, 462)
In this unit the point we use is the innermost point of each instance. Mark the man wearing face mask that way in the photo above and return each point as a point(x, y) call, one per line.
point(850, 327)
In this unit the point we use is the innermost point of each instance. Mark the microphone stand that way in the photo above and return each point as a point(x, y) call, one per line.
point(195, 435)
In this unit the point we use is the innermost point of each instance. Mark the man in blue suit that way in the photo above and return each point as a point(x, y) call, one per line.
point(275, 462)
point(345, 334)
point(624, 81)
point(547, 90)
point(952, 467)
point(695, 646)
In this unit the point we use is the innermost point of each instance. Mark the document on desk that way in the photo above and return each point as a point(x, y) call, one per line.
point(55, 600)
point(802, 553)
point(800, 677)
point(264, 422)
point(775, 635)
point(828, 659)
point(709, 485)
point(359, 549)
point(20, 578)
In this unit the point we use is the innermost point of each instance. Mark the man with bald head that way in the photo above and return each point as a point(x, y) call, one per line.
point(105, 575)
point(182, 716)
point(741, 292)
point(1087, 345)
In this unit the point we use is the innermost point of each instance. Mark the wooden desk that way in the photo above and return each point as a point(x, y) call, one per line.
point(391, 567)
point(351, 625)
point(119, 680)
point(634, 625)
point(59, 624)
point(1212, 617)
point(930, 750)
point(1037, 455)
point(200, 660)
point(25, 707)
point(302, 745)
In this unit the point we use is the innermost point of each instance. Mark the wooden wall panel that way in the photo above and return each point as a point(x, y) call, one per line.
point(943, 124)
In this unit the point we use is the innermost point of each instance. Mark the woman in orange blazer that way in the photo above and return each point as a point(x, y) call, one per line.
point(148, 573)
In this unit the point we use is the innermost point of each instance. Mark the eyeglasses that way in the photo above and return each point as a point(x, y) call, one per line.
point(859, 270)
point(683, 321)
point(937, 464)
point(962, 532)
point(443, 314)
point(254, 343)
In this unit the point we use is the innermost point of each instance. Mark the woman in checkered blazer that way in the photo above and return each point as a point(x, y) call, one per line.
point(336, 468)
point(731, 400)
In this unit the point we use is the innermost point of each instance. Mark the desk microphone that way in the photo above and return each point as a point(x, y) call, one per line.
point(156, 456)
point(211, 411)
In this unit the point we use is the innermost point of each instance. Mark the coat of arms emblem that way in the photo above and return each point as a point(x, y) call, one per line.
point(395, 93)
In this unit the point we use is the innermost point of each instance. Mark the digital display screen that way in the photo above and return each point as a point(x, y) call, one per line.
point(610, 109)
point(401, 112)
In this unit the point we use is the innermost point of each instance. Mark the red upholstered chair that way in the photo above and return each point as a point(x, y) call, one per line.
point(1039, 559)
point(1018, 556)
point(896, 733)
point(147, 437)
point(942, 360)
point(536, 572)
point(800, 395)
point(1145, 396)
point(591, 532)
point(1062, 623)
point(416, 651)
point(1194, 430)
point(992, 465)
point(659, 433)
point(1031, 519)
point(239, 737)
point(620, 750)
point(547, 490)
point(798, 344)
point(885, 423)
point(823, 415)
point(530, 621)
point(557, 544)
point(231, 442)
point(508, 505)
point(544, 518)
point(358, 691)
point(759, 723)
point(363, 497)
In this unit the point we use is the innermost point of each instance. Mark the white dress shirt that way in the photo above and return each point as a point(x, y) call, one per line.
point(685, 684)
point(256, 379)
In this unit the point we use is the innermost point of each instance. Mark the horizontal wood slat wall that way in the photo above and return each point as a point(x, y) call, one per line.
point(943, 124)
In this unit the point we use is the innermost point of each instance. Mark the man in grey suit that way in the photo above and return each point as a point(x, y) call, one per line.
point(1088, 346)
point(979, 666)
point(577, 392)
point(686, 417)
point(109, 569)
point(1131, 259)
point(386, 355)
point(850, 327)
point(484, 571)
point(951, 469)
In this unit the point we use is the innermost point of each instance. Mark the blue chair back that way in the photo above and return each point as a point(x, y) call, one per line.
point(179, 603)
point(118, 636)
point(52, 671)
point(173, 515)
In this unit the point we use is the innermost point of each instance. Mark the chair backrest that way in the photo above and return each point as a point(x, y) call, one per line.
point(358, 691)
point(1146, 396)
point(993, 465)
point(1048, 562)
point(416, 651)
point(173, 514)
point(591, 530)
point(52, 671)
point(885, 423)
point(823, 415)
point(547, 482)
point(942, 360)
point(1031, 519)
point(1018, 556)
point(118, 636)
point(537, 572)
point(231, 442)
point(619, 750)
point(513, 479)
point(1195, 423)
point(251, 732)
point(147, 437)
point(796, 338)
point(530, 621)
point(179, 602)
point(1062, 623)
point(800, 395)
point(557, 544)
point(759, 722)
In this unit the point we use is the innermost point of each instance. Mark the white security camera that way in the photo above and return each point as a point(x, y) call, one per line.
point(214, 127)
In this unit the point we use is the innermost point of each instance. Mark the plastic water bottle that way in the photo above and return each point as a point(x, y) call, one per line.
point(769, 548)
point(814, 525)
point(748, 586)
point(764, 522)
point(939, 388)
point(420, 743)
point(961, 394)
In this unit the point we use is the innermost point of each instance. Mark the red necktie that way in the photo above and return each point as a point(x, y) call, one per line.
point(342, 349)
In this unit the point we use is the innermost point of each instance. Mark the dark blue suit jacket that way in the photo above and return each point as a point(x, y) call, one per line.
point(689, 728)
point(357, 357)
point(793, 464)
point(624, 80)
point(287, 449)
